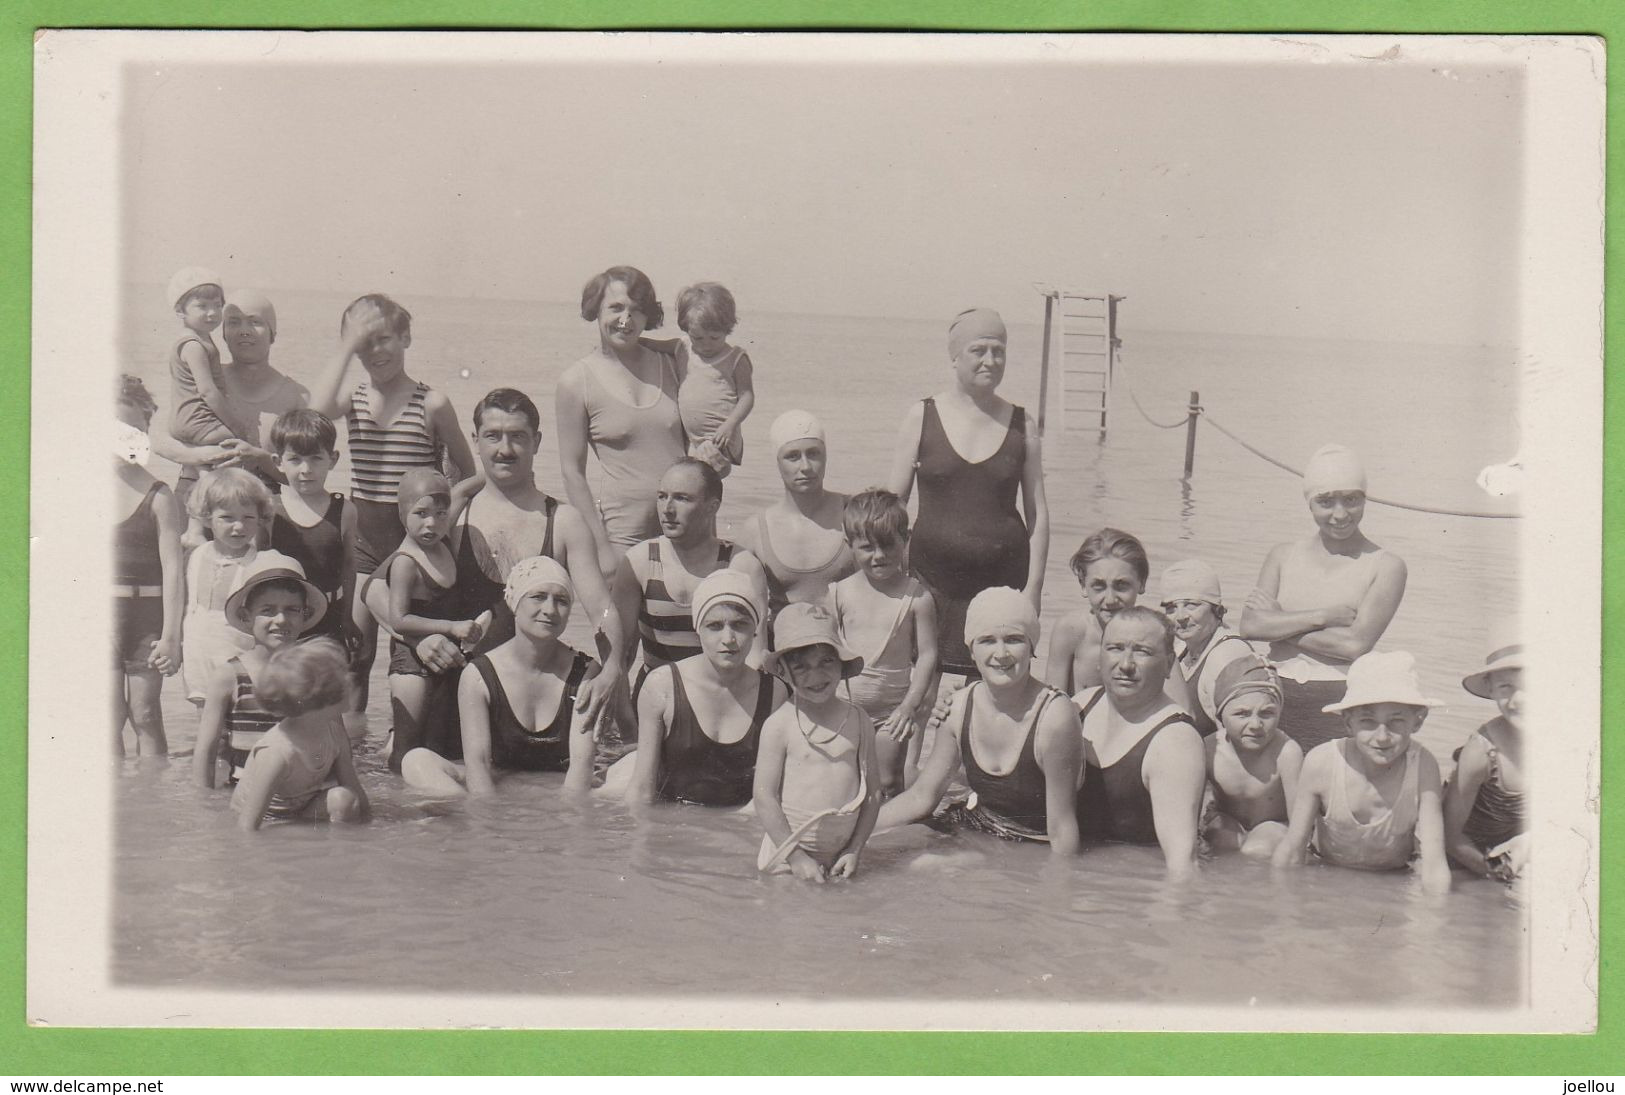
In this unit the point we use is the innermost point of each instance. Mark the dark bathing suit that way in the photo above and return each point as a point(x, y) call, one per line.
point(1014, 805)
point(138, 621)
point(968, 535)
point(320, 550)
point(478, 591)
point(695, 768)
point(1114, 803)
point(515, 748)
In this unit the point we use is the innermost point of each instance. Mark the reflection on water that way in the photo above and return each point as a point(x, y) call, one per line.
point(535, 893)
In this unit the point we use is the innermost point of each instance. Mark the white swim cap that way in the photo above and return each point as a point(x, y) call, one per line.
point(1334, 467)
point(793, 426)
point(1000, 606)
point(536, 572)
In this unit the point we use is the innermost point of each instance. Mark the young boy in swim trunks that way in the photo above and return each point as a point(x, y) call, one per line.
point(1371, 800)
point(273, 604)
point(884, 610)
point(1112, 568)
point(817, 787)
point(1252, 768)
point(301, 769)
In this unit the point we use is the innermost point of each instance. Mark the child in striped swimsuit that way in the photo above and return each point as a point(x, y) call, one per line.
point(1484, 817)
point(395, 424)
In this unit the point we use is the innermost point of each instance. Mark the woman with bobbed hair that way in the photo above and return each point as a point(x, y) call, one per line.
point(620, 400)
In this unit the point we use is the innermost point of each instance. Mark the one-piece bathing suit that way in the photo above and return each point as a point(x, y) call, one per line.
point(515, 747)
point(635, 445)
point(246, 722)
point(1114, 802)
point(707, 397)
point(318, 548)
point(479, 592)
point(1384, 843)
point(969, 534)
point(138, 586)
point(698, 769)
point(799, 585)
point(884, 682)
point(1498, 812)
point(380, 453)
point(1014, 806)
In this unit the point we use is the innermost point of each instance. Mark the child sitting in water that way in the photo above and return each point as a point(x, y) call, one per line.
point(817, 784)
point(273, 604)
point(1252, 768)
point(147, 582)
point(302, 768)
point(884, 610)
point(716, 394)
point(1371, 800)
point(423, 599)
point(1112, 568)
point(1484, 823)
point(233, 507)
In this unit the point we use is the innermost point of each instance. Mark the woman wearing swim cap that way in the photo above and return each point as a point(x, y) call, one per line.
point(1324, 600)
point(799, 540)
point(700, 719)
point(972, 452)
point(1015, 738)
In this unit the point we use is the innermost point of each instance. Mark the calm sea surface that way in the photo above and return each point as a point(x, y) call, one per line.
point(530, 893)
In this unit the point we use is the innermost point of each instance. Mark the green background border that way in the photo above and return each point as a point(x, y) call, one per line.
point(50, 1052)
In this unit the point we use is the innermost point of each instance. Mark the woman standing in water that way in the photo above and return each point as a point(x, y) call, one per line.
point(800, 539)
point(972, 451)
point(1324, 600)
point(620, 400)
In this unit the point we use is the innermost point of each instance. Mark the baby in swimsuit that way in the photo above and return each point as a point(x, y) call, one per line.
point(817, 785)
point(1371, 800)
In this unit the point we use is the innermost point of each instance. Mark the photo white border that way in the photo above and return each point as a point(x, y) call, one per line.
point(78, 285)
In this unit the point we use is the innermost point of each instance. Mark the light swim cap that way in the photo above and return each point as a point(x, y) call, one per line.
point(1245, 675)
point(131, 444)
point(417, 483)
point(1334, 467)
point(726, 586)
point(537, 572)
point(252, 302)
point(793, 426)
point(997, 607)
point(1191, 580)
point(189, 278)
point(972, 324)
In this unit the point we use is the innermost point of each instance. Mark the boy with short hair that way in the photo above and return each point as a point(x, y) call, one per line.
point(314, 525)
point(1371, 800)
point(817, 787)
point(883, 609)
point(1252, 767)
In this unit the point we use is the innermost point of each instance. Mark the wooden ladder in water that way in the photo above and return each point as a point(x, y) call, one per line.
point(1082, 328)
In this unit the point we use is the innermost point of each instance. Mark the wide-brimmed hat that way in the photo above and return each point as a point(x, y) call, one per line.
point(269, 566)
point(1506, 652)
point(803, 625)
point(1382, 678)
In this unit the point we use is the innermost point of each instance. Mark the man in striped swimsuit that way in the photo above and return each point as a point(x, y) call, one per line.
point(655, 581)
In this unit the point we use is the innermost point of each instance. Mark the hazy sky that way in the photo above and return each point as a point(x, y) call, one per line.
point(1374, 201)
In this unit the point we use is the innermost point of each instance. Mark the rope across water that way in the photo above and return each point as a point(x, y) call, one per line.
point(1202, 413)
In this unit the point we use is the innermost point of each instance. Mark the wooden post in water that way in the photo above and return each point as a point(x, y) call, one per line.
point(1043, 363)
point(1190, 431)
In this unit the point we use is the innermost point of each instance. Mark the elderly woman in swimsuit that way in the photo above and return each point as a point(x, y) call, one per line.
point(972, 452)
point(1324, 600)
point(1015, 738)
point(700, 719)
point(800, 540)
point(517, 701)
point(621, 401)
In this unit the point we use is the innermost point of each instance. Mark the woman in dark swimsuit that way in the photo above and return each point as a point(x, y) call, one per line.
point(971, 452)
point(699, 719)
point(1015, 738)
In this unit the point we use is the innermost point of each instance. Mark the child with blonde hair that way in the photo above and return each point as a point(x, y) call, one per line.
point(302, 768)
point(716, 394)
point(234, 508)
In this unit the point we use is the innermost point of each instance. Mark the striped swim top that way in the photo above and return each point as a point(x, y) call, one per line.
point(665, 624)
point(380, 453)
point(246, 723)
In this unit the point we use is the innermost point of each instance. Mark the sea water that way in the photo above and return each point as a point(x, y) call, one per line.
point(533, 893)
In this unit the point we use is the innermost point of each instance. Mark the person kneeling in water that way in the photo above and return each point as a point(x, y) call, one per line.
point(817, 785)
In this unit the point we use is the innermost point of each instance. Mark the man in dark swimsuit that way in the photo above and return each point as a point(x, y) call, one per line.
point(512, 519)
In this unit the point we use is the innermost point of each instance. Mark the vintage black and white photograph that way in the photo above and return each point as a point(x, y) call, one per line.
point(684, 530)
